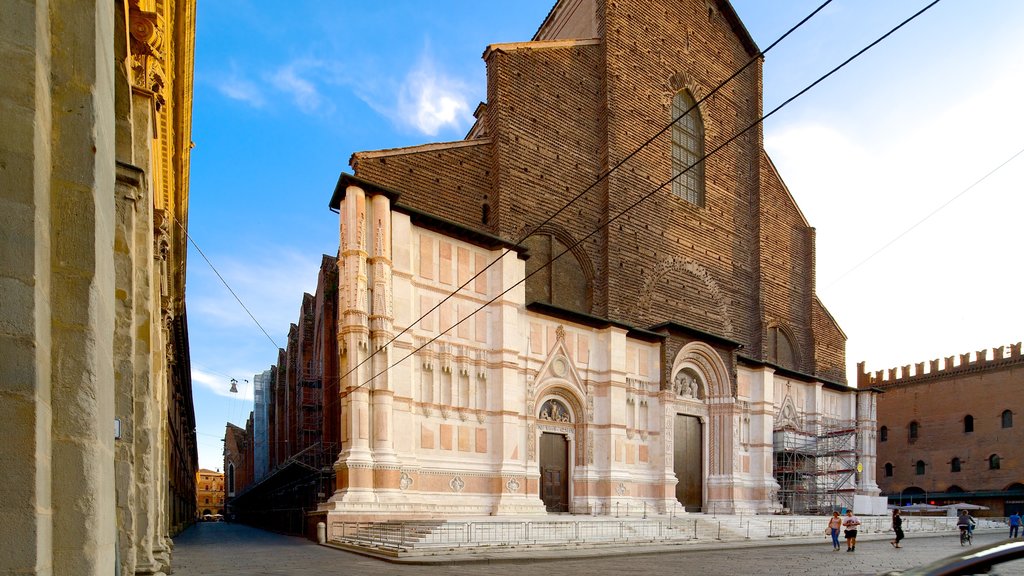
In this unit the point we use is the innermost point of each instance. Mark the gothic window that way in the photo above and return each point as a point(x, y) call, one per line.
point(919, 468)
point(687, 149)
point(1007, 419)
point(913, 430)
point(231, 479)
point(563, 283)
point(781, 351)
point(954, 466)
point(888, 469)
point(883, 434)
point(968, 423)
point(993, 462)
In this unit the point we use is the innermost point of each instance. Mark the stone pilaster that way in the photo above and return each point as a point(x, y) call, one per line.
point(867, 418)
point(354, 468)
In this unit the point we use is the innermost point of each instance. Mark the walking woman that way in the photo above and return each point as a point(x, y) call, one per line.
point(897, 527)
point(834, 523)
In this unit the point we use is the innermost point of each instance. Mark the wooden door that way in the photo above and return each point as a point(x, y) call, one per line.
point(688, 458)
point(554, 471)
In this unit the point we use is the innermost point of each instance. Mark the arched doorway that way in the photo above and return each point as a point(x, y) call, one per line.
point(688, 441)
point(555, 473)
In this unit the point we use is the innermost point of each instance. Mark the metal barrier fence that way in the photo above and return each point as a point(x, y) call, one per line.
point(427, 535)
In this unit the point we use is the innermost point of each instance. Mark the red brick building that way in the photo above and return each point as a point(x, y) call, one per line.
point(953, 432)
point(302, 434)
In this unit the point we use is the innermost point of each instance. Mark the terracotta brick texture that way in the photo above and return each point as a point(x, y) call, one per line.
point(560, 114)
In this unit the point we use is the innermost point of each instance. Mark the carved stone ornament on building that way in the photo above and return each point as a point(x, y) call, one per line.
point(554, 411)
point(405, 482)
point(558, 367)
point(512, 485)
point(457, 484)
point(687, 385)
point(620, 490)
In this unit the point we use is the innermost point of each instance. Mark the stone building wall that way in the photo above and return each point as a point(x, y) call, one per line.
point(98, 409)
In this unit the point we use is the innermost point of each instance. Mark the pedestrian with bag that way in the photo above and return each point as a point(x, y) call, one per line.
point(834, 523)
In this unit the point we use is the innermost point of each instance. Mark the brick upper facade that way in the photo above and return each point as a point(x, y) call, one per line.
point(561, 111)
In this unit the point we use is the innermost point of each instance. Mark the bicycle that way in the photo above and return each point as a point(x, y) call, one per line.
point(965, 536)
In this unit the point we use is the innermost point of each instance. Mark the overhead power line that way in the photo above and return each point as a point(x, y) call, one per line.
point(225, 282)
point(923, 220)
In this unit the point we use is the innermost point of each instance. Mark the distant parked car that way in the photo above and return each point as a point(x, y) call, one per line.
point(1009, 553)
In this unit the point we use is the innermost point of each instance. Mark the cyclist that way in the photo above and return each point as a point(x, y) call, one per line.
point(966, 525)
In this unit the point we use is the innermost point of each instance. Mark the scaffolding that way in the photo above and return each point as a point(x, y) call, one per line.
point(816, 466)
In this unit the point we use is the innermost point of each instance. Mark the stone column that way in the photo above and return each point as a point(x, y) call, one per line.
point(381, 322)
point(354, 468)
point(26, 280)
point(80, 304)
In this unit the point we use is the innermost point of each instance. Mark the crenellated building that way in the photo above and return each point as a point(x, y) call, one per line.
point(952, 432)
point(658, 342)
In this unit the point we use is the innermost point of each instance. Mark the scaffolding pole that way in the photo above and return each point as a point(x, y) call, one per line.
point(816, 466)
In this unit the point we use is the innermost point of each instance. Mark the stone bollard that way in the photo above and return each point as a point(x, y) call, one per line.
point(321, 532)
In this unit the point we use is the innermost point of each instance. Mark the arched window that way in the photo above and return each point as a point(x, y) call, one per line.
point(231, 479)
point(1007, 419)
point(919, 468)
point(914, 429)
point(781, 350)
point(687, 149)
point(883, 434)
point(968, 423)
point(888, 469)
point(954, 465)
point(564, 283)
point(993, 462)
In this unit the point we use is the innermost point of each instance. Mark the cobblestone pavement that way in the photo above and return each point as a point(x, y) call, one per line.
point(220, 549)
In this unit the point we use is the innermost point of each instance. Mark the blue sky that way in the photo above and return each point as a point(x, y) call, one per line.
point(285, 92)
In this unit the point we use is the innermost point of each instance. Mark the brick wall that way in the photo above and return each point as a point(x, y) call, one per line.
point(561, 112)
point(452, 182)
point(939, 403)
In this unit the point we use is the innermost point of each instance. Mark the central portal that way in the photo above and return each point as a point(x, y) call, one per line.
point(554, 471)
point(687, 462)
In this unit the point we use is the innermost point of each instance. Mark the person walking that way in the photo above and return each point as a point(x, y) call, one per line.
point(897, 527)
point(851, 522)
point(1014, 524)
point(834, 524)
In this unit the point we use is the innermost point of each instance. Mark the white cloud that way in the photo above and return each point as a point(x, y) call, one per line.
point(937, 287)
point(236, 87)
point(303, 92)
point(271, 286)
point(429, 100)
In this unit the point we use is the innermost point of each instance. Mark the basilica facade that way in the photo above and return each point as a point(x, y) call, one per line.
point(526, 327)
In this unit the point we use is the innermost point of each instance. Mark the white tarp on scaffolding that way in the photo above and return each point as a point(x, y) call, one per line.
point(870, 505)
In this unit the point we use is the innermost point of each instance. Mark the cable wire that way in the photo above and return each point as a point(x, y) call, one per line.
point(922, 220)
point(225, 282)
